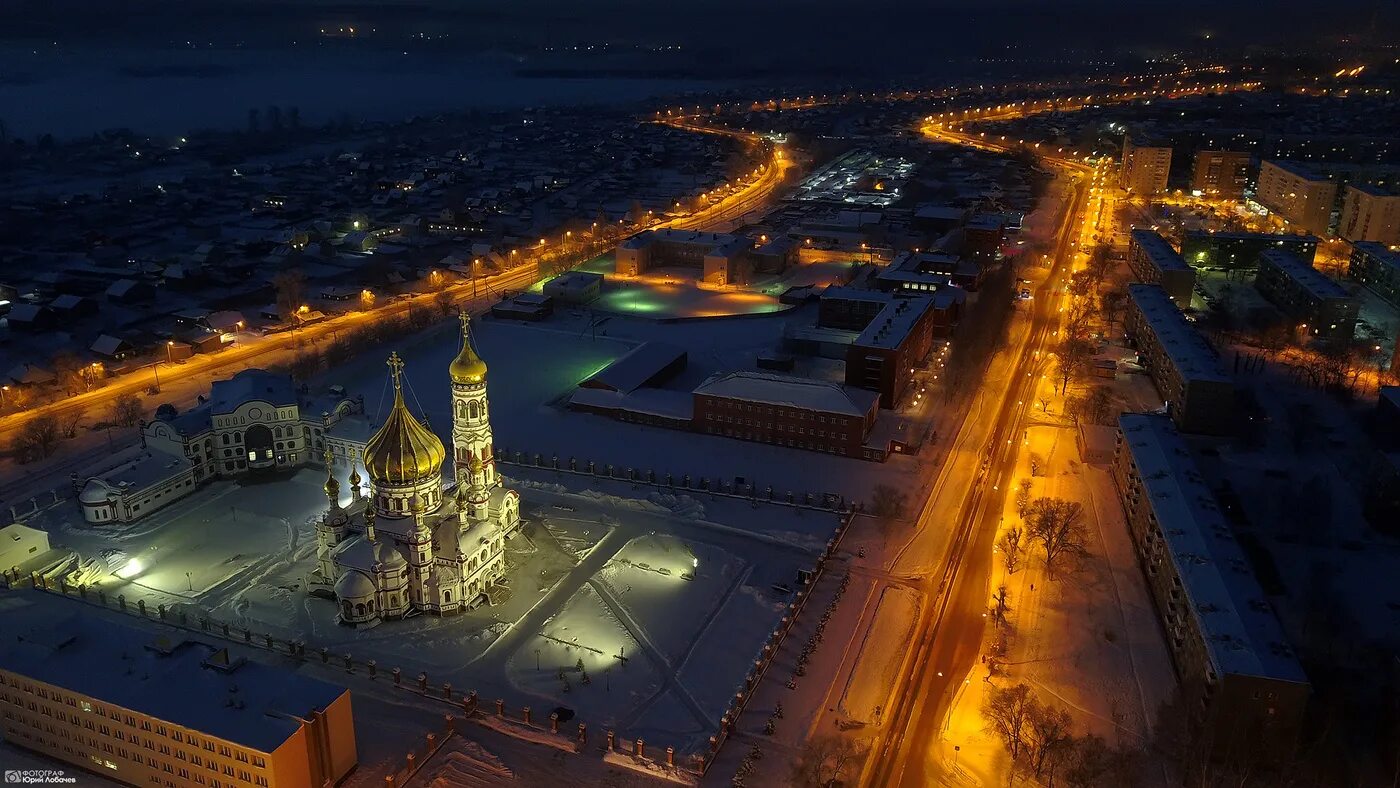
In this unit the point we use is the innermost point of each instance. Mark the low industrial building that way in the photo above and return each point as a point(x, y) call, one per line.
point(1240, 250)
point(1154, 261)
point(1308, 297)
point(1244, 687)
point(152, 709)
point(787, 411)
point(1199, 393)
point(1378, 269)
point(574, 287)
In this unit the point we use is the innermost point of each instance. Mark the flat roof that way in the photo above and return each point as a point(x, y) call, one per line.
point(1193, 357)
point(814, 395)
point(894, 322)
point(163, 674)
point(1241, 633)
point(1278, 238)
point(1162, 254)
point(1298, 168)
point(1318, 284)
point(1377, 251)
point(145, 469)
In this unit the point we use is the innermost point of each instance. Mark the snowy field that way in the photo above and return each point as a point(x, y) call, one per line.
point(535, 367)
point(665, 598)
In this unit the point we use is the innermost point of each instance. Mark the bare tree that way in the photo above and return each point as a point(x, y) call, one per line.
point(304, 365)
point(1058, 525)
point(1023, 499)
point(1002, 606)
point(1048, 732)
point(1007, 713)
point(445, 303)
point(288, 285)
point(887, 502)
point(126, 410)
point(68, 422)
point(1011, 550)
point(37, 439)
point(1072, 357)
point(827, 760)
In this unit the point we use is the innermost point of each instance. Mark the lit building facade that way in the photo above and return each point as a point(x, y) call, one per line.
point(1307, 296)
point(1297, 193)
point(407, 546)
point(1153, 260)
point(1145, 168)
point(1378, 268)
point(1370, 213)
point(156, 710)
point(1199, 394)
point(1220, 174)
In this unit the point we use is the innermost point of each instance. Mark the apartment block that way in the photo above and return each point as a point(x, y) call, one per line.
point(1370, 213)
point(1154, 261)
point(1145, 167)
point(1198, 392)
point(1233, 251)
point(1307, 296)
point(1378, 268)
point(1301, 195)
point(1244, 687)
point(1220, 174)
point(151, 709)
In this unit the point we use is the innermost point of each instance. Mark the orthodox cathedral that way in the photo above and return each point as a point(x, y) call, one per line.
point(413, 543)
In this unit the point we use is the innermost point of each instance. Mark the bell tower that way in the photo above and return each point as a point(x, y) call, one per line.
point(471, 420)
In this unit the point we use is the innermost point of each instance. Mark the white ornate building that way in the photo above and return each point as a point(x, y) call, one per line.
point(408, 546)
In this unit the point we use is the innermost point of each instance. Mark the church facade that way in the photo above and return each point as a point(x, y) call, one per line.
point(412, 543)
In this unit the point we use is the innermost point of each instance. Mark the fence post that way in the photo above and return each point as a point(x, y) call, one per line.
point(582, 734)
point(670, 756)
point(612, 737)
point(500, 708)
point(641, 748)
point(554, 722)
point(525, 715)
point(398, 676)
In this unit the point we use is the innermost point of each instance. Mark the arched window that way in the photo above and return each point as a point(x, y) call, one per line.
point(345, 607)
point(447, 596)
point(359, 609)
point(474, 410)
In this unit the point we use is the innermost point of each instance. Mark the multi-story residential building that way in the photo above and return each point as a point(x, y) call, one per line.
point(255, 421)
point(1378, 268)
point(1370, 213)
point(788, 411)
point(1307, 296)
point(1244, 687)
point(1154, 261)
point(1145, 167)
point(1235, 251)
point(1199, 393)
point(1220, 174)
point(1300, 194)
point(152, 709)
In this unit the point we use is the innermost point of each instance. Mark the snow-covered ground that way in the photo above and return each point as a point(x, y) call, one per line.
point(666, 598)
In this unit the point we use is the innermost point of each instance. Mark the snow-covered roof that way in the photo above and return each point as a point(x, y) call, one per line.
point(1237, 624)
point(1378, 252)
point(814, 395)
point(635, 369)
point(1158, 251)
point(185, 682)
point(252, 384)
point(894, 323)
point(108, 345)
point(1317, 284)
point(1189, 352)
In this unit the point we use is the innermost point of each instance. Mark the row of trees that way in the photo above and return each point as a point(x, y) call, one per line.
point(40, 436)
point(1042, 744)
point(1053, 525)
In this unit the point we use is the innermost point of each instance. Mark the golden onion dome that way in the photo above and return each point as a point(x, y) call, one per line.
point(403, 451)
point(332, 487)
point(467, 367)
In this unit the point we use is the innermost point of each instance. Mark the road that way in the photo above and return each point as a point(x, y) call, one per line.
point(948, 637)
